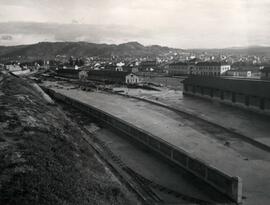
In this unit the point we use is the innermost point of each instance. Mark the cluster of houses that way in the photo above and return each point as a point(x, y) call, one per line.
point(16, 67)
point(13, 67)
point(182, 68)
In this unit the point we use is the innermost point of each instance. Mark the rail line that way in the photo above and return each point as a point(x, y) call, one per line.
point(144, 182)
point(188, 115)
point(143, 187)
point(201, 119)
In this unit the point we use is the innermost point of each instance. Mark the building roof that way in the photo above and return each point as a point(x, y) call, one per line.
point(178, 63)
point(96, 74)
point(131, 73)
point(147, 63)
point(246, 68)
point(108, 73)
point(194, 60)
point(265, 69)
point(68, 71)
point(211, 63)
point(245, 86)
point(238, 70)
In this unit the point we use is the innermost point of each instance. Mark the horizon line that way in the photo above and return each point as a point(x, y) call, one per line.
point(195, 48)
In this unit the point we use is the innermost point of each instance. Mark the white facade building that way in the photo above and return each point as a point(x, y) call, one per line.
point(239, 73)
point(211, 68)
point(132, 79)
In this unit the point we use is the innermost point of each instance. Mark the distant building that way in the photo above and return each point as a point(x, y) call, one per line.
point(252, 94)
point(245, 71)
point(83, 75)
point(148, 63)
point(132, 79)
point(179, 68)
point(239, 73)
point(100, 75)
point(107, 76)
point(119, 68)
point(211, 68)
point(110, 67)
point(12, 68)
point(135, 69)
point(192, 65)
point(265, 73)
point(68, 72)
point(148, 66)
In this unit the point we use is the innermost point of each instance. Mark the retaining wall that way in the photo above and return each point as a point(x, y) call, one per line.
point(226, 184)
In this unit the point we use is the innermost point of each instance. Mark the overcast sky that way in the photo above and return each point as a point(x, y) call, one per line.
point(175, 23)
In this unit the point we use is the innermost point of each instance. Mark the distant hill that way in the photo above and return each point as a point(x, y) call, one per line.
point(251, 50)
point(50, 50)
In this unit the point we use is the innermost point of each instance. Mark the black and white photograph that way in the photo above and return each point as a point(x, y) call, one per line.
point(134, 102)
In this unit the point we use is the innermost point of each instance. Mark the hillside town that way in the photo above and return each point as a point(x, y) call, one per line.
point(181, 63)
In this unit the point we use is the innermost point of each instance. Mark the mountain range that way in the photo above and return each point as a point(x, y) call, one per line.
point(48, 50)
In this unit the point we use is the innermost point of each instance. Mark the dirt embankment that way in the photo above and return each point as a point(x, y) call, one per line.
point(42, 158)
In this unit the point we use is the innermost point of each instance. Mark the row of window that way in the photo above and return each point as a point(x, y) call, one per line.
point(209, 73)
point(201, 68)
point(132, 80)
point(213, 68)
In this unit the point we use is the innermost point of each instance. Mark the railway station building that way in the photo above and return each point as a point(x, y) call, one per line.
point(250, 94)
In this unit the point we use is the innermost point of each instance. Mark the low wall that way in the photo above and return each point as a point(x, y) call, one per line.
point(228, 185)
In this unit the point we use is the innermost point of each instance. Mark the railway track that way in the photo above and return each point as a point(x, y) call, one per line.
point(146, 189)
point(200, 120)
point(147, 183)
point(205, 122)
